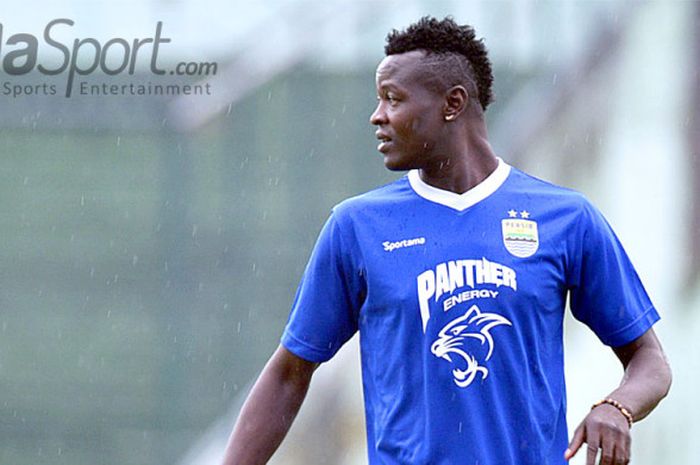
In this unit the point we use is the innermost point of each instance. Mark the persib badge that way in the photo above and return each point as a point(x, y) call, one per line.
point(520, 234)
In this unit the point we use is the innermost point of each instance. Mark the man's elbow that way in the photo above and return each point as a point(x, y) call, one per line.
point(664, 376)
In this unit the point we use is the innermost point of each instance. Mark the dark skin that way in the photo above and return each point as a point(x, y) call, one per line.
point(444, 136)
point(646, 380)
point(270, 409)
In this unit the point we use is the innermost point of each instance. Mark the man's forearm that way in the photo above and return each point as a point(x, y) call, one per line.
point(646, 381)
point(647, 376)
point(269, 410)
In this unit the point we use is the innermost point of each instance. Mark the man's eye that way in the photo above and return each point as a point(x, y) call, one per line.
point(392, 99)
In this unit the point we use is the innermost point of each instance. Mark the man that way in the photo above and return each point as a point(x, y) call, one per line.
point(456, 277)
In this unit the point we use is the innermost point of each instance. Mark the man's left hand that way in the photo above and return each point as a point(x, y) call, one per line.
point(604, 428)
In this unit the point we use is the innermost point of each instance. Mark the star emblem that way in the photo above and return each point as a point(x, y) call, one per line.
point(512, 213)
point(525, 214)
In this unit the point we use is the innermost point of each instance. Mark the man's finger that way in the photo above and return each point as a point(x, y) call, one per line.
point(575, 444)
point(622, 452)
point(607, 453)
point(627, 449)
point(592, 451)
point(593, 440)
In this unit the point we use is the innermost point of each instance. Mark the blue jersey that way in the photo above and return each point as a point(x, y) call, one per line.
point(459, 301)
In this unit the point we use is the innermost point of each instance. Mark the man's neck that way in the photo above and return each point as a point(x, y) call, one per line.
point(468, 164)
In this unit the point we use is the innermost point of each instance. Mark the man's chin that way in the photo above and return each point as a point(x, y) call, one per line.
point(395, 165)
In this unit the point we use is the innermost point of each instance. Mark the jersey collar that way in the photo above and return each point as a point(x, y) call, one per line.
point(461, 202)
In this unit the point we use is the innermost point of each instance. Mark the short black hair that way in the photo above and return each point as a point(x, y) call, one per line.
point(456, 56)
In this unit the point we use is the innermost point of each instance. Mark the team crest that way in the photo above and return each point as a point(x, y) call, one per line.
point(520, 234)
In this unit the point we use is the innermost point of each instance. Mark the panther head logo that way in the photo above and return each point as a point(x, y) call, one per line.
point(450, 343)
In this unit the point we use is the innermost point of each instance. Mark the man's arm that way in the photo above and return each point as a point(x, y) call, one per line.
point(269, 410)
point(646, 381)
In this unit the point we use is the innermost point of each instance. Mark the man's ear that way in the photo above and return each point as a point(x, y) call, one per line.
point(456, 101)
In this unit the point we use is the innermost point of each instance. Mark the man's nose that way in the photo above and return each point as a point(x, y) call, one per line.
point(379, 115)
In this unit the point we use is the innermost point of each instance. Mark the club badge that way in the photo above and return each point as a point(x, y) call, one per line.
point(520, 234)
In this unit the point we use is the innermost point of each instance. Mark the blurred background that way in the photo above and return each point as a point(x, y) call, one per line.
point(151, 245)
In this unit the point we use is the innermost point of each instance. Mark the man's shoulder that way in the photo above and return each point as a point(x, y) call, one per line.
point(388, 196)
point(561, 203)
point(525, 183)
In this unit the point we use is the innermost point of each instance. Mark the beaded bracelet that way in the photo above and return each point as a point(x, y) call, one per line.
point(626, 413)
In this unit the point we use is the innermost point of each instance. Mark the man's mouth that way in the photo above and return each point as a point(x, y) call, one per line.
point(384, 142)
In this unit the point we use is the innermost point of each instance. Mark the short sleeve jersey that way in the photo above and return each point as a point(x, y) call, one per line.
point(459, 301)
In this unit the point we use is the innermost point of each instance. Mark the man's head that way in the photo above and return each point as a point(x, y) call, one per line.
point(434, 73)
